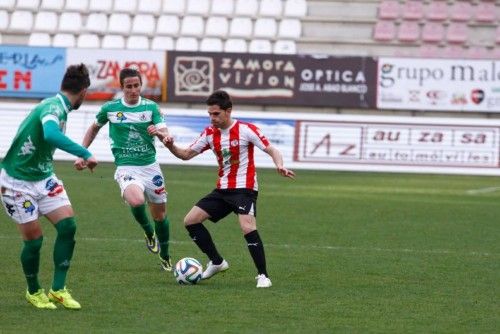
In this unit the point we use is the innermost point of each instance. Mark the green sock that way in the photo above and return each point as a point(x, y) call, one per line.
point(162, 229)
point(141, 217)
point(30, 260)
point(63, 251)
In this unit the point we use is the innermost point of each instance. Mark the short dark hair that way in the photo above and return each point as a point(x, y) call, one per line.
point(220, 98)
point(128, 72)
point(75, 79)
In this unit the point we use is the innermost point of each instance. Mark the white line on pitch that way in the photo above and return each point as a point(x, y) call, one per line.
point(340, 248)
point(482, 190)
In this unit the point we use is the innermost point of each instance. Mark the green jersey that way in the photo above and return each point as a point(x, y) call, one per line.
point(131, 144)
point(31, 153)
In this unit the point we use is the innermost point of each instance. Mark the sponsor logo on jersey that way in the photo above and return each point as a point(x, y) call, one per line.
point(27, 148)
point(120, 116)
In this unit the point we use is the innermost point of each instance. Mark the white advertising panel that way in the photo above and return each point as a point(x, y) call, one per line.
point(438, 84)
point(105, 65)
point(315, 141)
point(398, 144)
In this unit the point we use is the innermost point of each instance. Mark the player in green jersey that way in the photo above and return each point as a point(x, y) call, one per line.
point(137, 172)
point(30, 188)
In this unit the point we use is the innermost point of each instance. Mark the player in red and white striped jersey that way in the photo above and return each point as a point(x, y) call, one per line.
point(233, 143)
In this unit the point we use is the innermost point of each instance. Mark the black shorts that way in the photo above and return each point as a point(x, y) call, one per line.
point(221, 202)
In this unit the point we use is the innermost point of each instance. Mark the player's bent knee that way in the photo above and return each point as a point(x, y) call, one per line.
point(66, 228)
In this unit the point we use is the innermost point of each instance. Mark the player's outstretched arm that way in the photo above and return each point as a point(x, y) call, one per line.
point(179, 152)
point(278, 161)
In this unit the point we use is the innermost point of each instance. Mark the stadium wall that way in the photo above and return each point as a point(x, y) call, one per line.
point(318, 141)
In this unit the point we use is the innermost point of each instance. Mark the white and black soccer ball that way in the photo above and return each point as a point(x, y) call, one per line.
point(188, 271)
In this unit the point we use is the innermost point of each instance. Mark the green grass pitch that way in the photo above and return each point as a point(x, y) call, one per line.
point(347, 252)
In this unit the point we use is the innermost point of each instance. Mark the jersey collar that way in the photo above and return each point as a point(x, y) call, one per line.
point(65, 102)
point(132, 105)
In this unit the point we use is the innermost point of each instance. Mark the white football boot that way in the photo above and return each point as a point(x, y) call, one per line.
point(263, 281)
point(213, 269)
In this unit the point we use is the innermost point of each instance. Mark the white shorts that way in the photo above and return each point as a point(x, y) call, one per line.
point(149, 178)
point(24, 201)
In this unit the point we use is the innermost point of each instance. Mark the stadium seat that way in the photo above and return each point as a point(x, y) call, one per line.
point(295, 8)
point(39, 39)
point(149, 7)
point(235, 45)
point(162, 43)
point(389, 10)
point(45, 22)
point(290, 28)
point(485, 12)
point(246, 7)
point(31, 5)
point(64, 40)
point(384, 31)
point(52, 5)
point(119, 24)
point(429, 51)
point(80, 6)
point(88, 41)
point(265, 27)
point(284, 47)
point(113, 42)
point(143, 24)
point(168, 25)
point(477, 52)
point(461, 11)
point(197, 7)
point(241, 27)
point(100, 6)
point(260, 46)
point(216, 26)
point(409, 31)
point(211, 44)
point(453, 52)
point(432, 32)
point(96, 22)
point(137, 42)
point(7, 4)
point(21, 21)
point(192, 26)
point(127, 7)
point(457, 32)
point(4, 20)
point(413, 10)
point(222, 7)
point(70, 22)
point(186, 44)
point(271, 8)
point(437, 10)
point(174, 7)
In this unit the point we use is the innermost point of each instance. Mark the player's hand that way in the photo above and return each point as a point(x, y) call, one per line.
point(91, 163)
point(168, 141)
point(80, 164)
point(153, 131)
point(286, 172)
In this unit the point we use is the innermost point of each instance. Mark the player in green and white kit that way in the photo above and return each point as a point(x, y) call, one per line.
point(30, 188)
point(138, 174)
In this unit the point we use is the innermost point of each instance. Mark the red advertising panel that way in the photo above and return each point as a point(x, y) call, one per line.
point(273, 79)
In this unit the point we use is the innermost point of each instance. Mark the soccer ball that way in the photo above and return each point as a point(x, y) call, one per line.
point(188, 271)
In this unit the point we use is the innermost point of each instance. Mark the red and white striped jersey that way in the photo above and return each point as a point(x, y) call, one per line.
point(234, 149)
